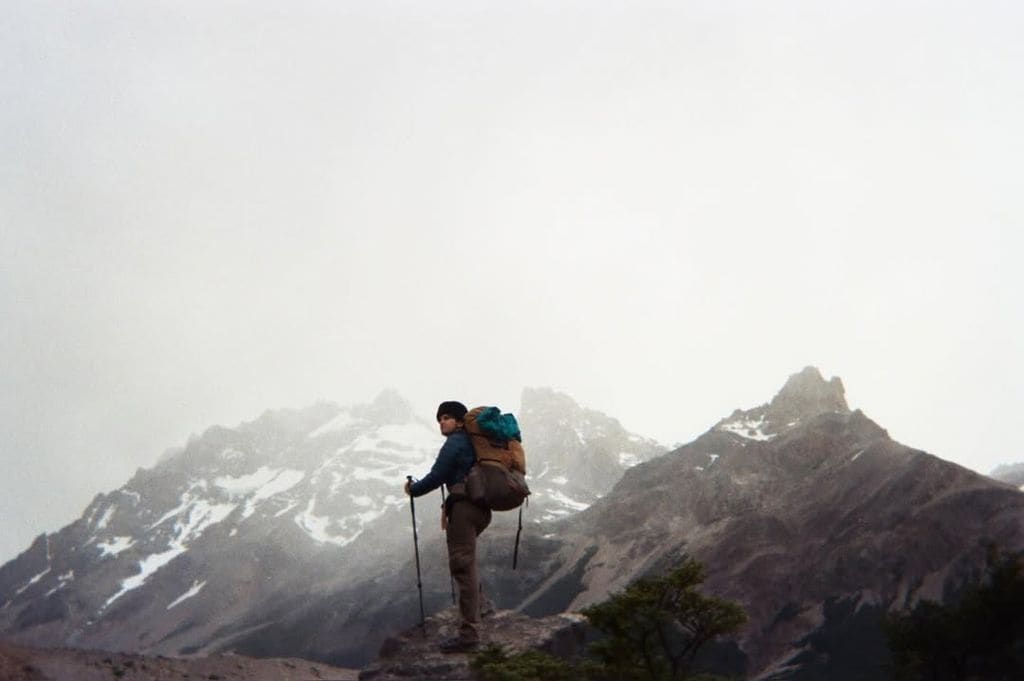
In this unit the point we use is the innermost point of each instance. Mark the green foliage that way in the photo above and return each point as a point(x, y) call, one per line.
point(658, 624)
point(652, 631)
point(980, 636)
point(494, 664)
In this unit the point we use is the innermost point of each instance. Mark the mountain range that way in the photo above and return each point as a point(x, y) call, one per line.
point(269, 536)
point(807, 514)
point(289, 536)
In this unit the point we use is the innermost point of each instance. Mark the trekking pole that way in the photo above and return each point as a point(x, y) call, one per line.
point(515, 554)
point(451, 579)
point(416, 546)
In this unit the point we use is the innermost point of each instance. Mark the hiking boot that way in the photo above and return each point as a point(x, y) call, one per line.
point(457, 644)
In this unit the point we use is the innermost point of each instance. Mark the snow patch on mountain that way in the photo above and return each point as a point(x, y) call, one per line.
point(115, 546)
point(105, 518)
point(198, 513)
point(62, 581)
point(338, 481)
point(385, 454)
point(628, 460)
point(383, 473)
point(261, 479)
point(399, 439)
point(263, 484)
point(232, 454)
point(342, 421)
point(32, 581)
point(391, 500)
point(340, 531)
point(147, 567)
point(280, 513)
point(569, 504)
point(369, 516)
point(748, 428)
point(316, 526)
point(197, 586)
point(201, 515)
point(194, 515)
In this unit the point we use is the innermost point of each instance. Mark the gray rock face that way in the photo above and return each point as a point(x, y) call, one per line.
point(806, 394)
point(804, 512)
point(586, 452)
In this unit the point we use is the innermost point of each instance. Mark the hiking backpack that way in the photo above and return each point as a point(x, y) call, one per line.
point(498, 478)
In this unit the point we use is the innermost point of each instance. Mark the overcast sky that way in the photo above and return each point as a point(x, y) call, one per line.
point(209, 209)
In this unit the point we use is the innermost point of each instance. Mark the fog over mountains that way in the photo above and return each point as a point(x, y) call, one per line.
point(289, 535)
point(196, 553)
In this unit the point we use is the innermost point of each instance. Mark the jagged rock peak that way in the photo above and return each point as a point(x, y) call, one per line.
point(538, 399)
point(387, 407)
point(287, 420)
point(807, 394)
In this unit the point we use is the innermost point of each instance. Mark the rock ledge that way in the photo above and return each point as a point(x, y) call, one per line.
point(414, 656)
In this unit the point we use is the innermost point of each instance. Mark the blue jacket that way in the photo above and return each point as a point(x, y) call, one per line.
point(451, 466)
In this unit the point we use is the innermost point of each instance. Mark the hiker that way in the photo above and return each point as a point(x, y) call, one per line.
point(462, 519)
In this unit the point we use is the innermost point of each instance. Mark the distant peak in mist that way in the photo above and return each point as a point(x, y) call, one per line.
point(807, 393)
point(542, 398)
point(388, 407)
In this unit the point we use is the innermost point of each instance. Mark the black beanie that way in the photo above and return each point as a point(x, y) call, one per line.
point(455, 409)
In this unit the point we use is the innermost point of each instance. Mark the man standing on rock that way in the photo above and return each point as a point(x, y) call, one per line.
point(464, 520)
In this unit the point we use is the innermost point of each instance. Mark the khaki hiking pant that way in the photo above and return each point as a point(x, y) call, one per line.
point(466, 520)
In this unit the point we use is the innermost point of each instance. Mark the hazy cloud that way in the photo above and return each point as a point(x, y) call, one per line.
point(664, 210)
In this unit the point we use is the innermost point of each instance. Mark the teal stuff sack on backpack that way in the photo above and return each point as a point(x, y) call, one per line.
point(498, 425)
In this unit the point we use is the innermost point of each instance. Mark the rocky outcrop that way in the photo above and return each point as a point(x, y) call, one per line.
point(414, 655)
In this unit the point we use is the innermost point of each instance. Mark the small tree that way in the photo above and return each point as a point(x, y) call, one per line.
point(494, 664)
point(654, 629)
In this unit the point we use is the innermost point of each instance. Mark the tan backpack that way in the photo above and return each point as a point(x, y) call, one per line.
point(498, 478)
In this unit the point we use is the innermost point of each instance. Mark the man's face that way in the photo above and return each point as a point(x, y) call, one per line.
point(448, 423)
